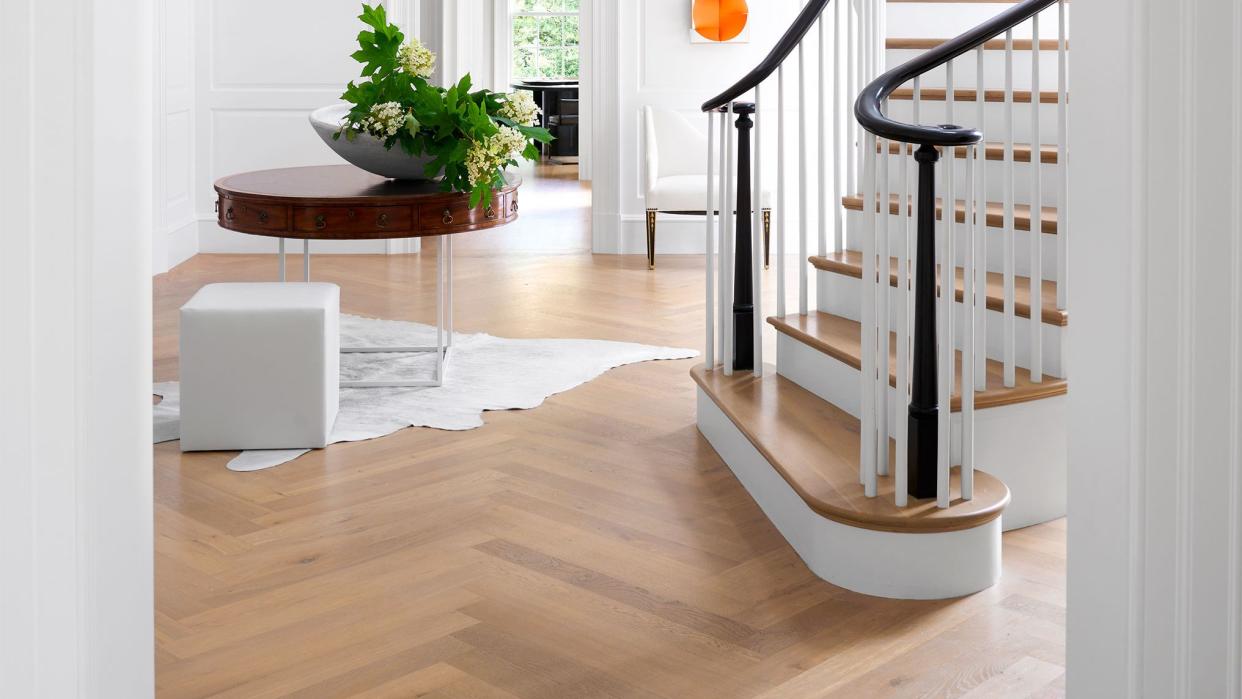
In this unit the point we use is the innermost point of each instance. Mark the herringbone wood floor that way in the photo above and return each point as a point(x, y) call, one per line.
point(593, 547)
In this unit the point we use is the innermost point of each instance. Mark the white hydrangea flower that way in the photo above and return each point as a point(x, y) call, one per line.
point(416, 59)
point(384, 121)
point(509, 142)
point(489, 155)
point(520, 107)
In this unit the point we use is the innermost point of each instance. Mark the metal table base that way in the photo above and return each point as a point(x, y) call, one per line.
point(444, 320)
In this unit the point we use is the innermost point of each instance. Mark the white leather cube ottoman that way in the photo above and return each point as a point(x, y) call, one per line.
point(260, 366)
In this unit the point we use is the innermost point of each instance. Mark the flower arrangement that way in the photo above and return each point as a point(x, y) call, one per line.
point(472, 136)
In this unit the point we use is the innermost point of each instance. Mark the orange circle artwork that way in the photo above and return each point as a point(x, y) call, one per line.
point(720, 20)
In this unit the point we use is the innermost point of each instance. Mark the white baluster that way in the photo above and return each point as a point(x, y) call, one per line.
point(709, 353)
point(1010, 320)
point(1063, 214)
point(722, 245)
point(803, 190)
point(882, 288)
point(948, 216)
point(821, 185)
point(840, 154)
point(728, 211)
point(756, 228)
point(851, 54)
point(1037, 190)
point(968, 332)
point(901, 417)
point(980, 307)
point(867, 434)
point(780, 191)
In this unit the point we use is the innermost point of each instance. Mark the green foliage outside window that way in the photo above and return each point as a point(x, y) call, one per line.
point(545, 39)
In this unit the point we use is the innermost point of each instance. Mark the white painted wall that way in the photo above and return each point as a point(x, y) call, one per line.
point(256, 71)
point(1155, 499)
point(643, 56)
point(76, 183)
point(176, 230)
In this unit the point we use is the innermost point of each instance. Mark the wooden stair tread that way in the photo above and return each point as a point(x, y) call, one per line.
point(937, 94)
point(995, 212)
point(840, 338)
point(922, 43)
point(1048, 154)
point(849, 263)
point(814, 446)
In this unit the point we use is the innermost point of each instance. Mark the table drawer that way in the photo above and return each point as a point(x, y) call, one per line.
point(239, 214)
point(358, 219)
point(433, 217)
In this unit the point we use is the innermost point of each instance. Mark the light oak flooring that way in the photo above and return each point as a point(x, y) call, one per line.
point(593, 547)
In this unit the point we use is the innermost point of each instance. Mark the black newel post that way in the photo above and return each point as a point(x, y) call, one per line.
point(924, 413)
point(743, 299)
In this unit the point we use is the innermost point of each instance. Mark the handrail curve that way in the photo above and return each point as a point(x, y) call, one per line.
point(868, 110)
point(789, 41)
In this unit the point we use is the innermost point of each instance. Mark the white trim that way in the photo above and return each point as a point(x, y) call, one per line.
point(502, 46)
point(75, 367)
point(588, 59)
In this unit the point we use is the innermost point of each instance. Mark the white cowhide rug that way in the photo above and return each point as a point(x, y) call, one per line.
point(483, 373)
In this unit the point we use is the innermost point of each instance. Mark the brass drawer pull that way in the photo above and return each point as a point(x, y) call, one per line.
point(490, 213)
point(382, 220)
point(321, 222)
point(262, 216)
point(514, 206)
point(229, 215)
point(448, 217)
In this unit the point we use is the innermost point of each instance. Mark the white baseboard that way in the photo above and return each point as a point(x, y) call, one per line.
point(883, 564)
point(627, 235)
point(182, 243)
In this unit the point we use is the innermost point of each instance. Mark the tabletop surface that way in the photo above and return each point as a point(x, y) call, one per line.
point(325, 182)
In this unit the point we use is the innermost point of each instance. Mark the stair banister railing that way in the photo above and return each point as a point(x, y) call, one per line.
point(742, 251)
point(856, 52)
point(924, 450)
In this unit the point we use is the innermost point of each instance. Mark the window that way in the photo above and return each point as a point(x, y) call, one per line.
point(545, 39)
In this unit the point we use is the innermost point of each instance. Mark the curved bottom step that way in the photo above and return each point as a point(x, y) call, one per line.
point(883, 564)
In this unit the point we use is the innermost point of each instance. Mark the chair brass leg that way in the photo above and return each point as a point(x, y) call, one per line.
point(767, 237)
point(651, 231)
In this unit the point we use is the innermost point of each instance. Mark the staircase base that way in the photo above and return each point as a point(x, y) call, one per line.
point(880, 563)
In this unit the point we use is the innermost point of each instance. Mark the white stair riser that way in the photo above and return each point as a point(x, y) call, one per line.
point(994, 182)
point(882, 564)
point(840, 295)
point(1024, 445)
point(993, 127)
point(964, 69)
point(935, 19)
point(994, 242)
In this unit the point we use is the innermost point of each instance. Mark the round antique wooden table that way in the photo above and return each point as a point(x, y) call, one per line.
point(342, 202)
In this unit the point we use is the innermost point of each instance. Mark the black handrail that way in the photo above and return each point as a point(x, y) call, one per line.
point(868, 107)
point(789, 41)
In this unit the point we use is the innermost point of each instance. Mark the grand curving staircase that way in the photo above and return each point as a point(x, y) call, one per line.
point(860, 444)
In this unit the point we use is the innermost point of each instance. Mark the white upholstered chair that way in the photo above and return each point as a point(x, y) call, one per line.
point(676, 168)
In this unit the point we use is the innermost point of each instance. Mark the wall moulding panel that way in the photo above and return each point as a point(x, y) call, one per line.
point(253, 89)
point(1155, 565)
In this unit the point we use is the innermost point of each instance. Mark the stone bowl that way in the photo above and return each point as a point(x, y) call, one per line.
point(366, 151)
